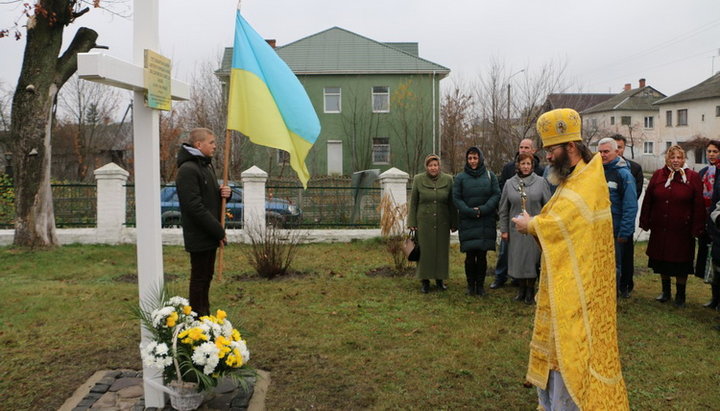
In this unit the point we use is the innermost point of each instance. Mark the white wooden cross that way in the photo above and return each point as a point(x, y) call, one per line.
point(146, 142)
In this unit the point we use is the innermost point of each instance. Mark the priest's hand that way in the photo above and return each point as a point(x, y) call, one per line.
point(521, 222)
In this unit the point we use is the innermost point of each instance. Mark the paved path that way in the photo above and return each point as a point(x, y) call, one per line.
point(122, 390)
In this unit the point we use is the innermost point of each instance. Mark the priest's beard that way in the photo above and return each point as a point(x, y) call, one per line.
point(560, 168)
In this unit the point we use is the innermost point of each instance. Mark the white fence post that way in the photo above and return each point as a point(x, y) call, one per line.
point(111, 203)
point(254, 180)
point(394, 183)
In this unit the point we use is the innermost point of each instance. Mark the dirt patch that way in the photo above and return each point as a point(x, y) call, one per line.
point(291, 275)
point(387, 271)
point(133, 278)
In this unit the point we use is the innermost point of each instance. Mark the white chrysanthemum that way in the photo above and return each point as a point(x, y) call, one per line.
point(207, 356)
point(242, 347)
point(155, 355)
point(213, 328)
point(158, 316)
point(227, 328)
point(178, 301)
point(161, 349)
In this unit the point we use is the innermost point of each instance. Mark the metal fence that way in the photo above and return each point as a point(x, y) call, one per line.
point(327, 203)
point(75, 205)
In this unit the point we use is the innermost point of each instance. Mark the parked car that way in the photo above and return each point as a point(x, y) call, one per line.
point(278, 212)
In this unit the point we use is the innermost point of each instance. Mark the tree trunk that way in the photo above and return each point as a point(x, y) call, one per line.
point(43, 73)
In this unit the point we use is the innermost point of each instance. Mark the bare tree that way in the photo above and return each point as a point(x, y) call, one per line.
point(508, 104)
point(412, 123)
point(87, 109)
point(43, 73)
point(360, 125)
point(456, 116)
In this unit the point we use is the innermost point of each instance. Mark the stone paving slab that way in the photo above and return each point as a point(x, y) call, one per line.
point(122, 390)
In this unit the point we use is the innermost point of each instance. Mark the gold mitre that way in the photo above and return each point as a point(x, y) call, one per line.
point(559, 126)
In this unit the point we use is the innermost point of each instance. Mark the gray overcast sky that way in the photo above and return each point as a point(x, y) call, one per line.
point(604, 43)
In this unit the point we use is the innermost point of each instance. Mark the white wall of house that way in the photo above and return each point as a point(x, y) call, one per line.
point(638, 132)
point(703, 121)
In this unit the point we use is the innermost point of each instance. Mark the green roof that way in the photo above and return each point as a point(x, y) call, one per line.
point(339, 51)
point(637, 99)
point(709, 88)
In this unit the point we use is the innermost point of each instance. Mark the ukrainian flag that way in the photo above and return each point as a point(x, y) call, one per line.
point(266, 102)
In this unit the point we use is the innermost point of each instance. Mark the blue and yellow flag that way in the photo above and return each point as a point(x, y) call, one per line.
point(266, 102)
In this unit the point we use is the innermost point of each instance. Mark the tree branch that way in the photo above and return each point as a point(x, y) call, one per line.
point(83, 41)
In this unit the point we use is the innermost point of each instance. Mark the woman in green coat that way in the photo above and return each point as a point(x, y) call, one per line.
point(433, 214)
point(476, 194)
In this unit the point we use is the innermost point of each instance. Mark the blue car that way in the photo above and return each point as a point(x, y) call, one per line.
point(278, 212)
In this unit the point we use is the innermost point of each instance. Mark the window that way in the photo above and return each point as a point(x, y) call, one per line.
point(332, 97)
point(625, 120)
point(648, 147)
point(612, 120)
point(594, 123)
point(717, 111)
point(702, 118)
point(381, 99)
point(649, 122)
point(668, 144)
point(283, 157)
point(381, 150)
point(668, 118)
point(682, 117)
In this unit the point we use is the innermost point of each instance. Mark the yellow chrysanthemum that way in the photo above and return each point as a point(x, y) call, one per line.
point(236, 335)
point(171, 319)
point(192, 334)
point(221, 315)
point(223, 344)
point(187, 310)
point(234, 359)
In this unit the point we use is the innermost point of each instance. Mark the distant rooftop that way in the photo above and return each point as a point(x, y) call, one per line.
point(340, 51)
point(637, 99)
point(709, 88)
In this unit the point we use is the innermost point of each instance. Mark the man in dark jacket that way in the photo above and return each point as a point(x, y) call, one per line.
point(509, 170)
point(628, 252)
point(623, 205)
point(200, 200)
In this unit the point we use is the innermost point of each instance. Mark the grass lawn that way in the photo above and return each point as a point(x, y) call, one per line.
point(334, 337)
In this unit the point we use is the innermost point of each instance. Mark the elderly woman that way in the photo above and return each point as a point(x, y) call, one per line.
point(434, 216)
point(674, 212)
point(523, 251)
point(476, 194)
point(711, 195)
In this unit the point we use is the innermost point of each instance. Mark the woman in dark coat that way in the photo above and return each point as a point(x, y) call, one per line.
point(434, 216)
point(711, 195)
point(476, 194)
point(674, 212)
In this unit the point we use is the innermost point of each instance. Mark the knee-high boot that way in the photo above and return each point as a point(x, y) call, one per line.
point(522, 289)
point(680, 295)
point(480, 283)
point(666, 292)
point(715, 300)
point(530, 293)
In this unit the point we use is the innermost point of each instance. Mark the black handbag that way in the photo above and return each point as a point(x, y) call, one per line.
point(411, 248)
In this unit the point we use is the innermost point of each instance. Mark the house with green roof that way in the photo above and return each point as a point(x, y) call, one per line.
point(632, 114)
point(378, 103)
point(691, 117)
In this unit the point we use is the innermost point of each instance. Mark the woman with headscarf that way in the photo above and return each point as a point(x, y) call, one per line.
point(674, 212)
point(434, 216)
point(523, 251)
point(476, 194)
point(711, 195)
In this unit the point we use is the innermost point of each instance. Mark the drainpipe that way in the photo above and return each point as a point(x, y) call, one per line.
point(434, 115)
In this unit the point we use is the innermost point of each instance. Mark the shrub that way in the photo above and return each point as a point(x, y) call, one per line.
point(272, 250)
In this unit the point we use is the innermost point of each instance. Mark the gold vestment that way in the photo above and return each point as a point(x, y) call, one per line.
point(575, 320)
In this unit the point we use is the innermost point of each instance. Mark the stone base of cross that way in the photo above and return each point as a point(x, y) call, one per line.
point(146, 148)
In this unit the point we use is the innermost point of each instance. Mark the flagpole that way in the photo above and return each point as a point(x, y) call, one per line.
point(223, 203)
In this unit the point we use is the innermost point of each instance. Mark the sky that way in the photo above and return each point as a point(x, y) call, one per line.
point(604, 44)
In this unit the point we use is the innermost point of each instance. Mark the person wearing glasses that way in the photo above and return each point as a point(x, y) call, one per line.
point(574, 358)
